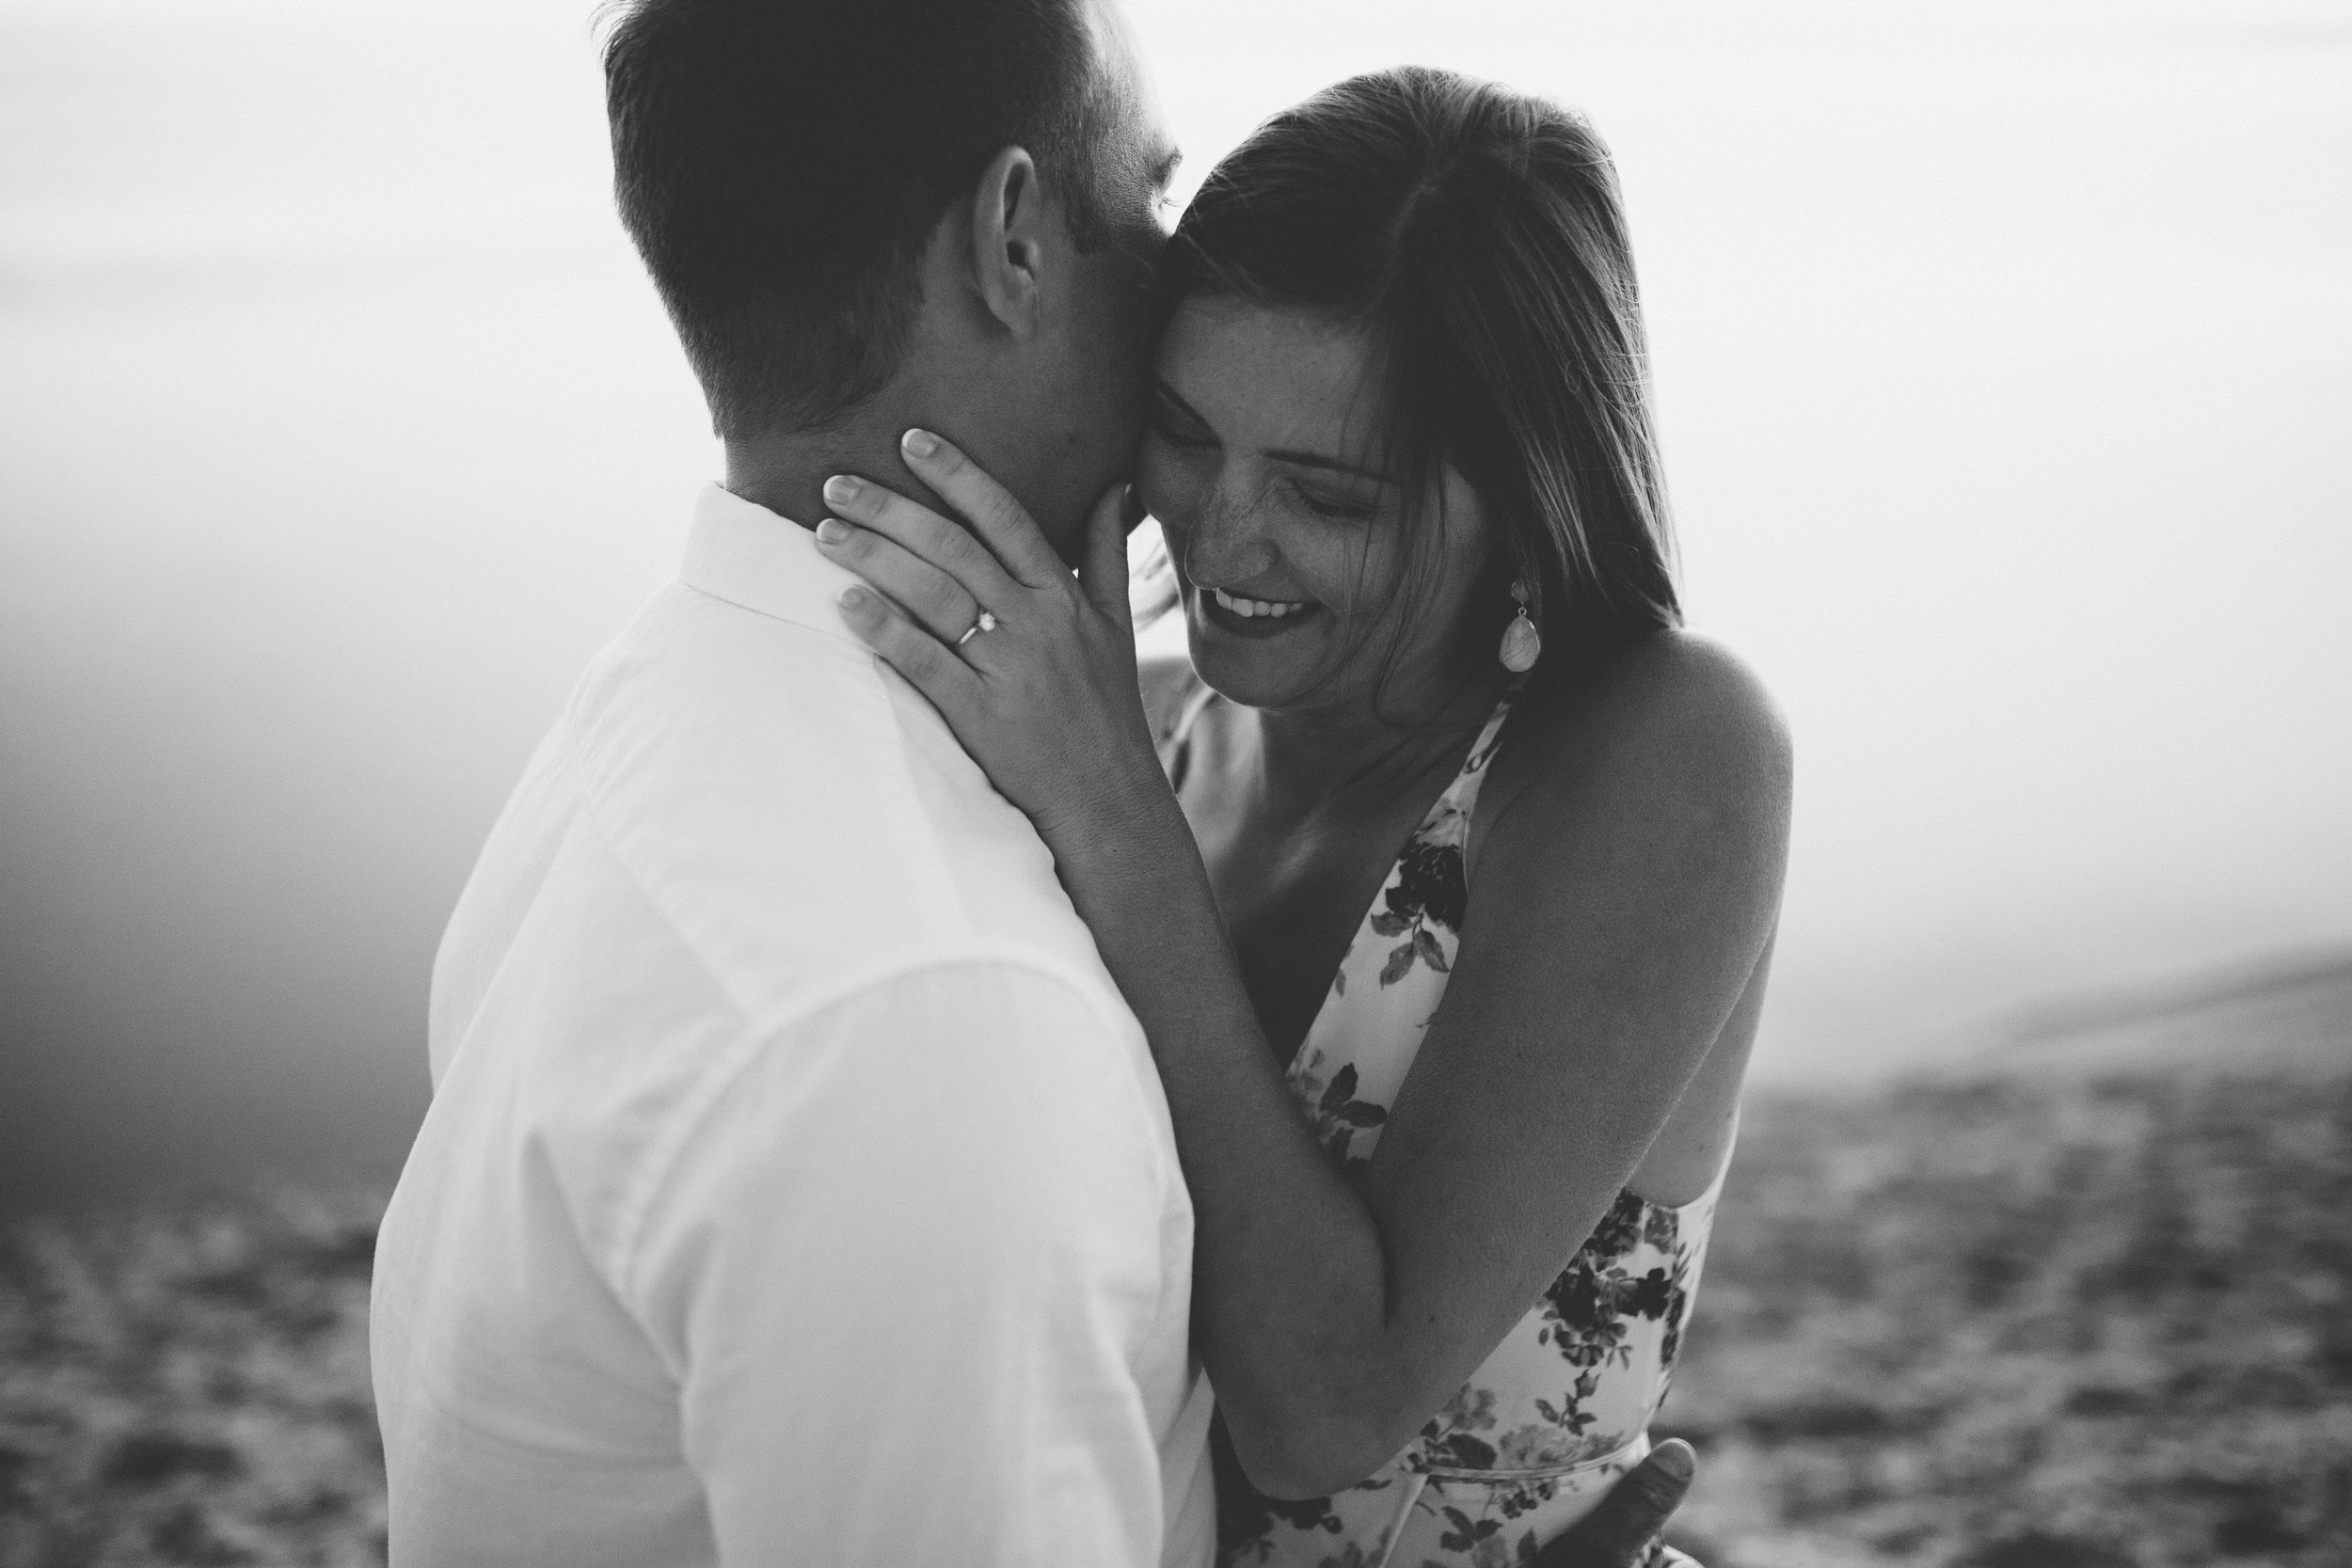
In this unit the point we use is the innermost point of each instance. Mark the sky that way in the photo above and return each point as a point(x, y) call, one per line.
point(2003, 355)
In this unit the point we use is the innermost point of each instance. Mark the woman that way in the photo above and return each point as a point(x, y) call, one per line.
point(1401, 452)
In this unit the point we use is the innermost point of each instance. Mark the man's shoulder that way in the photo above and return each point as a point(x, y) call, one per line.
point(790, 808)
point(700, 688)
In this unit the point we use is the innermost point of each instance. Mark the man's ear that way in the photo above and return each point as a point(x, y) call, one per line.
point(1008, 229)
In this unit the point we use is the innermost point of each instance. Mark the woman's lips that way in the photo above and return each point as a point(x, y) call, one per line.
point(1221, 610)
point(1242, 605)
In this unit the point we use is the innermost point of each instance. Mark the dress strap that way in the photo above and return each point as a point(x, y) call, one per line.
point(1715, 1188)
point(1490, 738)
point(1462, 794)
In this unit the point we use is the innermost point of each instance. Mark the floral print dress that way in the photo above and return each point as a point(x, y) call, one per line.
point(1560, 1410)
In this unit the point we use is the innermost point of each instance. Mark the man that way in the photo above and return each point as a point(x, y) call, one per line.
point(797, 1189)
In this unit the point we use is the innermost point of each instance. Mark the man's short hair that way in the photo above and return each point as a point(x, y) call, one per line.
point(781, 165)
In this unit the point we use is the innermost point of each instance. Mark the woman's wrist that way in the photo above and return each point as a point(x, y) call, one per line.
point(1124, 850)
point(1116, 813)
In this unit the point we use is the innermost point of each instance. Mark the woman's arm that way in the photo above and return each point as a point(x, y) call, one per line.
point(1625, 897)
point(1622, 904)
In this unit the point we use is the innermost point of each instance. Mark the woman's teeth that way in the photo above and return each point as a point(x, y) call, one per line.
point(1257, 607)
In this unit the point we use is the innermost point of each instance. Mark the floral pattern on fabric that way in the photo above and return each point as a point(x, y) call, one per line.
point(1561, 1409)
point(1334, 1111)
point(1426, 893)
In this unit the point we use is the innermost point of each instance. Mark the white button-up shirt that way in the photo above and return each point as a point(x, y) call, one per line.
point(796, 1188)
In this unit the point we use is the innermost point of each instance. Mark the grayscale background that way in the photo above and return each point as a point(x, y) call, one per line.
point(2004, 356)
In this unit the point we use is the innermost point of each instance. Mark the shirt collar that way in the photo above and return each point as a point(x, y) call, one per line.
point(747, 555)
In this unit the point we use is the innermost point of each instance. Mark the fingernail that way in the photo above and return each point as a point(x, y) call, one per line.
point(853, 597)
point(1673, 1457)
point(831, 531)
point(919, 443)
point(841, 489)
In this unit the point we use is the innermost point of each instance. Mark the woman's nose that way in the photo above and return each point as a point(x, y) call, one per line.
point(1227, 543)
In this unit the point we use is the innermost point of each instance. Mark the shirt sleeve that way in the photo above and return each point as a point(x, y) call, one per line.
point(902, 1271)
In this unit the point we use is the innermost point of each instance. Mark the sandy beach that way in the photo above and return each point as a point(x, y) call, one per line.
point(2039, 1315)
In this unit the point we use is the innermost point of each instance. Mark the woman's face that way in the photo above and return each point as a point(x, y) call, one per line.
point(1261, 463)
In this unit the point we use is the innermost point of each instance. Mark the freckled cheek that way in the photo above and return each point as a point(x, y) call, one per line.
point(1345, 568)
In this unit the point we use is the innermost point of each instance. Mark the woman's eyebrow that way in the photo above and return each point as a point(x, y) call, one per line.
point(1316, 460)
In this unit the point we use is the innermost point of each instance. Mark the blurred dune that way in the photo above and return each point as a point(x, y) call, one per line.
point(2012, 1318)
point(2030, 1322)
point(2288, 1016)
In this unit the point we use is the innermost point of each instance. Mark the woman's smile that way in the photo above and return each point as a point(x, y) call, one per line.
point(1241, 615)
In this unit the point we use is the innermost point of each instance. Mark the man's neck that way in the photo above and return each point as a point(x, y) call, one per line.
point(786, 473)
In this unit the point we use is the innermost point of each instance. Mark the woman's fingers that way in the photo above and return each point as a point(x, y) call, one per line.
point(1002, 523)
point(1103, 569)
point(916, 528)
point(928, 663)
point(937, 602)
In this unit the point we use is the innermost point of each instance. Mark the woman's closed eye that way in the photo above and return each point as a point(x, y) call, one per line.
point(1175, 432)
point(1329, 506)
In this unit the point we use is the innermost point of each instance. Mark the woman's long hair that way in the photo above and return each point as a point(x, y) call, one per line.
point(1475, 233)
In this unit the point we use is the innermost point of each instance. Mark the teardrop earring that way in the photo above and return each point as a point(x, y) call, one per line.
point(1523, 645)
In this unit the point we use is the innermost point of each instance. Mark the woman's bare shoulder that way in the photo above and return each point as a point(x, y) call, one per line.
point(1672, 716)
